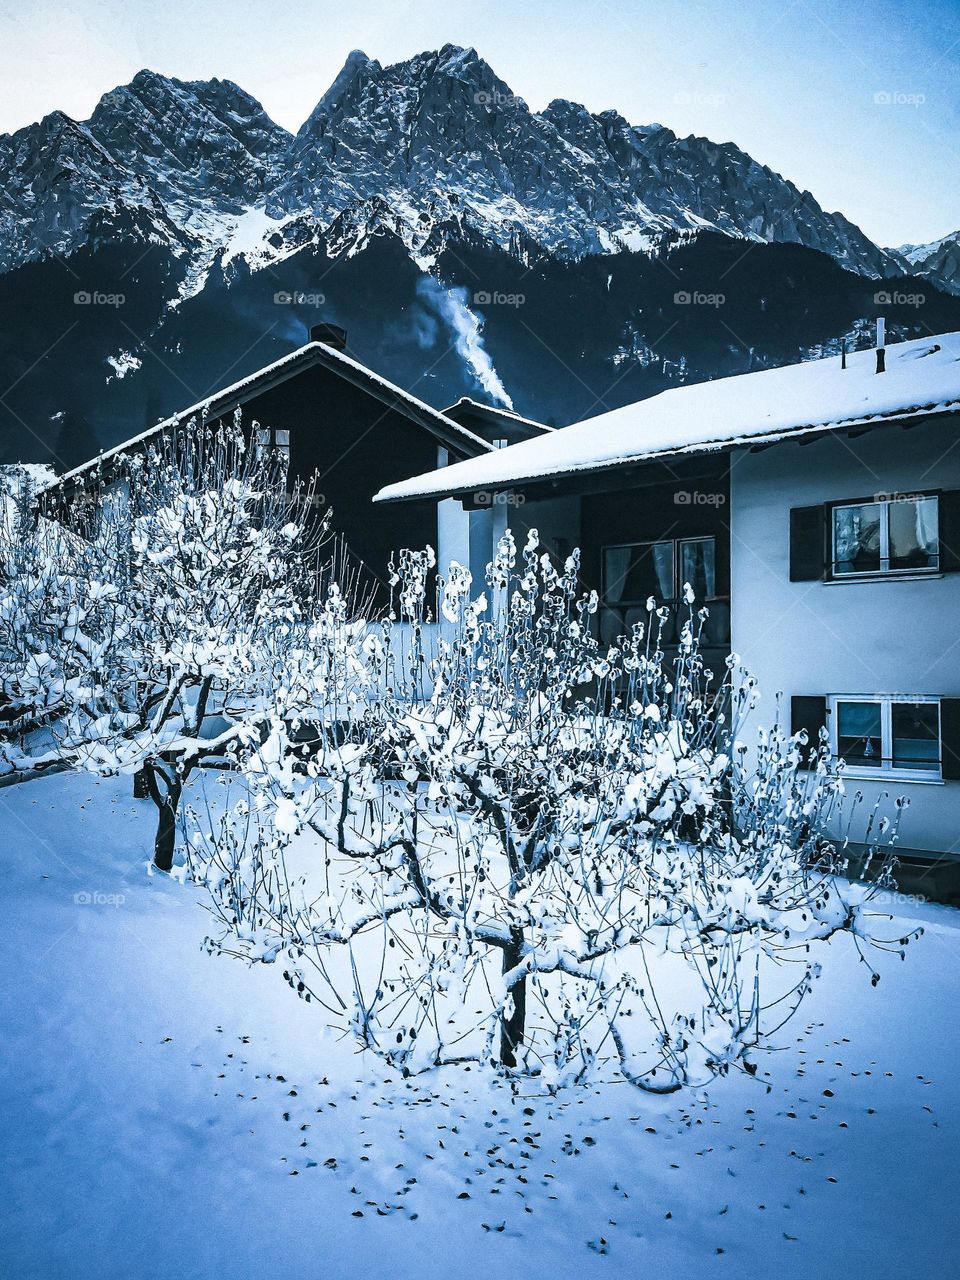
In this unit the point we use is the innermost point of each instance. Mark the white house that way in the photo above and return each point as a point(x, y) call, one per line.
point(816, 508)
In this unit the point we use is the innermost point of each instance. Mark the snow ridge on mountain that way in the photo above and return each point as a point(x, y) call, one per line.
point(432, 148)
point(938, 262)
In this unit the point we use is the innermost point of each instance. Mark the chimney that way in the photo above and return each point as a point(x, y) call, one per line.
point(881, 350)
point(843, 354)
point(331, 335)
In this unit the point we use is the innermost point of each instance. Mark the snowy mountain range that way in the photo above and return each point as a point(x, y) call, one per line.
point(188, 202)
point(431, 145)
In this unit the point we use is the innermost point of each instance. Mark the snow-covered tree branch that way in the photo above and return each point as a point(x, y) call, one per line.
point(506, 844)
point(150, 619)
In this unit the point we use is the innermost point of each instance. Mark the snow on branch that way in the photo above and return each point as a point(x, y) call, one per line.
point(509, 844)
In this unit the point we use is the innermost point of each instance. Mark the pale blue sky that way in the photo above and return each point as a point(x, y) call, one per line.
point(859, 102)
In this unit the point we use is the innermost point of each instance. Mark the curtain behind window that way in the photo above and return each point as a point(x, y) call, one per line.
point(616, 565)
point(663, 566)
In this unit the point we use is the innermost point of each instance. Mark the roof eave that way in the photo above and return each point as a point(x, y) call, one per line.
point(496, 411)
point(806, 432)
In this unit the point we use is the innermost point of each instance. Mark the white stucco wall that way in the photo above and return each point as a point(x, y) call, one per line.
point(453, 533)
point(881, 637)
point(470, 537)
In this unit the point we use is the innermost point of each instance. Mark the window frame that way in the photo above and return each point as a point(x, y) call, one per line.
point(677, 544)
point(883, 570)
point(678, 561)
point(886, 770)
point(269, 438)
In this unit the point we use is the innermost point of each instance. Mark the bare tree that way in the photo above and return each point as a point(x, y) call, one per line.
point(512, 846)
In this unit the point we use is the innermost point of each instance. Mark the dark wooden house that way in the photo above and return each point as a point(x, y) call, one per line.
point(352, 429)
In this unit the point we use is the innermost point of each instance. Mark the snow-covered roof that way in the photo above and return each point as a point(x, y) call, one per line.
point(495, 411)
point(922, 377)
point(312, 353)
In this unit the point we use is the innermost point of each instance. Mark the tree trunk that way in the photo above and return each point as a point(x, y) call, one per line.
point(165, 790)
point(512, 1026)
point(166, 838)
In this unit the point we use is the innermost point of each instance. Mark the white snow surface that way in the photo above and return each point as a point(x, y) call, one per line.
point(166, 1113)
point(122, 364)
point(922, 377)
point(249, 234)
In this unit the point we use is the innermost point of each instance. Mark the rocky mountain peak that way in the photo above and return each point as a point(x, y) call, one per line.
point(206, 142)
point(439, 138)
point(938, 262)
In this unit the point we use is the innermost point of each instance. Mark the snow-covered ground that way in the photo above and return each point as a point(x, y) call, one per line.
point(165, 1113)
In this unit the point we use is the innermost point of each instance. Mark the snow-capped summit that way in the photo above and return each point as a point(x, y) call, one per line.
point(160, 156)
point(439, 138)
point(201, 142)
point(442, 136)
point(58, 181)
point(938, 262)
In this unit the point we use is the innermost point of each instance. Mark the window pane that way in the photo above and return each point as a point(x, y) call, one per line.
point(914, 533)
point(856, 538)
point(263, 435)
point(698, 566)
point(859, 733)
point(916, 735)
point(631, 574)
point(282, 439)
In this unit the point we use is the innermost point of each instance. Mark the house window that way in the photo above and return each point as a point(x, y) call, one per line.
point(895, 535)
point(274, 438)
point(115, 504)
point(698, 566)
point(635, 571)
point(893, 735)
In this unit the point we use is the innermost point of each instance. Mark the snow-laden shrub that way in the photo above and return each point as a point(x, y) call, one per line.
point(509, 845)
point(60, 612)
point(148, 619)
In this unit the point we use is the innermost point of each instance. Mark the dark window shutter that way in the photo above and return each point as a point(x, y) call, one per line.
point(810, 713)
point(950, 531)
point(807, 543)
point(950, 738)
